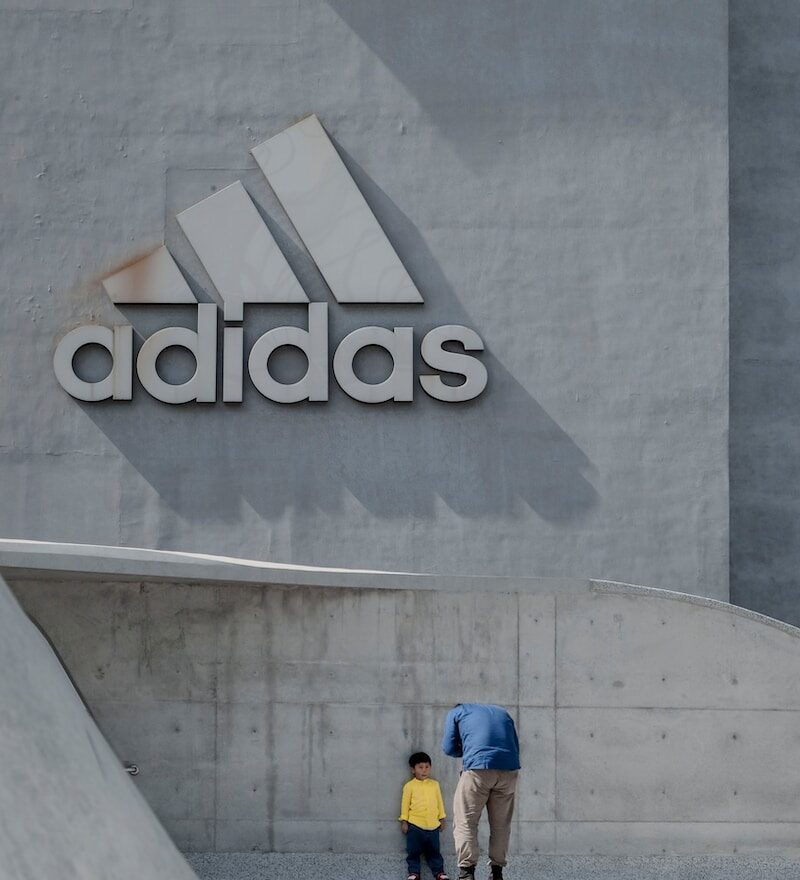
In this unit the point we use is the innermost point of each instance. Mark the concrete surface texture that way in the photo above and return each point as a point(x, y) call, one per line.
point(67, 807)
point(553, 175)
point(277, 866)
point(765, 308)
point(278, 718)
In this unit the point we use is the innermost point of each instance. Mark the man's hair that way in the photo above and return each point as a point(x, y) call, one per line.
point(419, 758)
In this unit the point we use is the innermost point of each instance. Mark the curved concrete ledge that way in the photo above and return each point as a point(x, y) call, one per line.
point(702, 601)
point(67, 808)
point(652, 722)
point(21, 556)
point(32, 559)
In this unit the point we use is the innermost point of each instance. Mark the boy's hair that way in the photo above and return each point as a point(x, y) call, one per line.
point(419, 758)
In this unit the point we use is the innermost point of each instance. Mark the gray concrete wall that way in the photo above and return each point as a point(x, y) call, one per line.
point(765, 307)
point(553, 174)
point(67, 807)
point(280, 718)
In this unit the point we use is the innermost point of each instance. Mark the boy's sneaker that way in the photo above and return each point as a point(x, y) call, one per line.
point(466, 873)
point(497, 872)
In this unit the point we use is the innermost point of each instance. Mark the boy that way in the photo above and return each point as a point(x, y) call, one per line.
point(422, 817)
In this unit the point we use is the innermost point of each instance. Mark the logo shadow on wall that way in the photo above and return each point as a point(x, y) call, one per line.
point(491, 456)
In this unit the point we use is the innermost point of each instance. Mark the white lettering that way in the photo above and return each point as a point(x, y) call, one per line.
point(202, 387)
point(119, 344)
point(314, 345)
point(436, 356)
point(232, 364)
point(400, 383)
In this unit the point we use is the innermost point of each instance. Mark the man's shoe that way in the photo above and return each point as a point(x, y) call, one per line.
point(442, 876)
point(466, 873)
point(497, 872)
point(413, 876)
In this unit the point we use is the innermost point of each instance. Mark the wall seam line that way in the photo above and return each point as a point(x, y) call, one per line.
point(555, 725)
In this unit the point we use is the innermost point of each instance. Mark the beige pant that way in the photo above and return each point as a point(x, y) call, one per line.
point(476, 789)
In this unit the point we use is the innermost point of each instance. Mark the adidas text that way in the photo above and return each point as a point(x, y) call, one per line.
point(312, 342)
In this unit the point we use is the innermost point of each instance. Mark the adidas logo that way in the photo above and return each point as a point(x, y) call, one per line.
point(246, 266)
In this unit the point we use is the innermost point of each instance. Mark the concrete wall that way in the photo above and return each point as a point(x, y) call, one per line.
point(67, 807)
point(765, 307)
point(553, 174)
point(280, 718)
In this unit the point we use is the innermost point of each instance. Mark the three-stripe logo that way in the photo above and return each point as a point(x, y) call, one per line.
point(246, 266)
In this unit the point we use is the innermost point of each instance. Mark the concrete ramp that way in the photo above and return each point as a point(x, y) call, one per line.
point(67, 807)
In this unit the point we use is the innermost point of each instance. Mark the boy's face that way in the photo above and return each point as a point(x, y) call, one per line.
point(421, 770)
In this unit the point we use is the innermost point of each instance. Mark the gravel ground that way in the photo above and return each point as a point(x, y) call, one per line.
point(308, 866)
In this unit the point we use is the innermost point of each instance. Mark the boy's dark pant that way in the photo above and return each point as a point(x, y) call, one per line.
point(419, 842)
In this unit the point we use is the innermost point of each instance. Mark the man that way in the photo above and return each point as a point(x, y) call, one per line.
point(485, 738)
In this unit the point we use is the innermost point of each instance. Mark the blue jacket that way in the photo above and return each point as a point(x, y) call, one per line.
point(482, 735)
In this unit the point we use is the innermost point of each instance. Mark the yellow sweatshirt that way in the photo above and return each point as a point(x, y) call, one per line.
point(422, 803)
